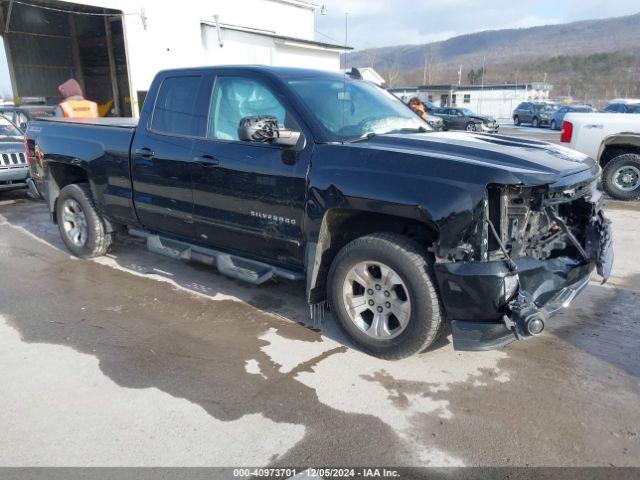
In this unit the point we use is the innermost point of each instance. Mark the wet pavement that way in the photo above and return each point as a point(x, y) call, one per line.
point(136, 359)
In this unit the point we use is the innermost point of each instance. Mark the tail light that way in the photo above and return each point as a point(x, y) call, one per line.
point(567, 132)
point(28, 154)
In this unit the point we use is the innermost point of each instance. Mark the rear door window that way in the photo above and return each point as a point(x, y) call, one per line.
point(175, 108)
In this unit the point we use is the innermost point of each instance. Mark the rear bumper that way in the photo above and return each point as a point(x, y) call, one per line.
point(490, 306)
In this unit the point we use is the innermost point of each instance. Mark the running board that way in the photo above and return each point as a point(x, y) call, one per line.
point(232, 266)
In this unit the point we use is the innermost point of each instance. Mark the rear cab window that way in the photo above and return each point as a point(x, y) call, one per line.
point(175, 111)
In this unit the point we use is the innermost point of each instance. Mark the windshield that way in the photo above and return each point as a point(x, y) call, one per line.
point(467, 112)
point(351, 109)
point(8, 129)
point(582, 109)
point(546, 108)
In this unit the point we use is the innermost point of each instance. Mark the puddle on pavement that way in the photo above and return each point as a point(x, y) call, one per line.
point(238, 351)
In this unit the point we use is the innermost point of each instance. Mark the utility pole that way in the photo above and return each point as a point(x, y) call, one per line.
point(460, 75)
point(426, 67)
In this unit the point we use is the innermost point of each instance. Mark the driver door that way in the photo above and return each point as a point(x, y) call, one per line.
point(249, 198)
point(459, 120)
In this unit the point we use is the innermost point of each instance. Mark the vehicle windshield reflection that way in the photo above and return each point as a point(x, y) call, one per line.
point(353, 109)
point(8, 129)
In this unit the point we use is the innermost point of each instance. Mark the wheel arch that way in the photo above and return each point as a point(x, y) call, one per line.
point(341, 226)
point(616, 145)
point(62, 174)
point(58, 175)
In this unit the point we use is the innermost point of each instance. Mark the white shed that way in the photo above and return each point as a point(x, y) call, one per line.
point(497, 100)
point(115, 47)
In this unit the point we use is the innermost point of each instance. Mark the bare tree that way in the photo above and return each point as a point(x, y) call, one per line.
point(392, 74)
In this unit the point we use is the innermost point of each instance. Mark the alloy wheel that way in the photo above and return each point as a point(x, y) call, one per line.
point(377, 300)
point(74, 222)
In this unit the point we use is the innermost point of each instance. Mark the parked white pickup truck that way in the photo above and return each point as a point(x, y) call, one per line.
point(614, 141)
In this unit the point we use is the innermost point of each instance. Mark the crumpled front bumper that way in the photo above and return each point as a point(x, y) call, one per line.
point(489, 127)
point(491, 306)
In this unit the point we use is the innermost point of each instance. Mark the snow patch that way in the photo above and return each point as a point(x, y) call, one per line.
point(395, 392)
point(288, 354)
point(109, 425)
point(140, 271)
point(253, 367)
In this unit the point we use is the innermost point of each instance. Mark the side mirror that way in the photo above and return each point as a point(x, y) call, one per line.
point(265, 129)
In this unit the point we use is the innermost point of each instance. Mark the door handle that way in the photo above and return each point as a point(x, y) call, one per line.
point(207, 161)
point(144, 152)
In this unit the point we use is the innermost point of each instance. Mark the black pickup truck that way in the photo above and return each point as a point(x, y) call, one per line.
point(305, 175)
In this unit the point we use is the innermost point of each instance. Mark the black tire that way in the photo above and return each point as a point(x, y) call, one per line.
point(535, 123)
point(613, 168)
point(516, 121)
point(411, 262)
point(98, 241)
point(554, 125)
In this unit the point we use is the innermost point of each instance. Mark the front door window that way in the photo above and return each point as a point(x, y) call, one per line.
point(235, 98)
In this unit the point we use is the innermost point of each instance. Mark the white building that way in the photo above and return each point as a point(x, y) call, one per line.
point(115, 47)
point(497, 100)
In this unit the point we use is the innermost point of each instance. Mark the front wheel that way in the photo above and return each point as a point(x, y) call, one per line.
point(382, 290)
point(516, 121)
point(536, 122)
point(554, 125)
point(81, 227)
point(471, 127)
point(621, 177)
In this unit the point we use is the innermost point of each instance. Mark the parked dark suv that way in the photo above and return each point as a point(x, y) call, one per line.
point(622, 107)
point(536, 114)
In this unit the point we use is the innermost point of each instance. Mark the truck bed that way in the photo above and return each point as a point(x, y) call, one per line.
point(101, 147)
point(119, 122)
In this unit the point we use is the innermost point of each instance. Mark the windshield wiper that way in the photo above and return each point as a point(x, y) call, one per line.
point(368, 136)
point(364, 138)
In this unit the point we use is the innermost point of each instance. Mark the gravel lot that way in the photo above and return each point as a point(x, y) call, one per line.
point(135, 359)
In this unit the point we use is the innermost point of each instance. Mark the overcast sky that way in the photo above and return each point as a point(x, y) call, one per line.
point(378, 23)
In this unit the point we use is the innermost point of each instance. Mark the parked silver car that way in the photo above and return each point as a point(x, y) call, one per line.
point(14, 169)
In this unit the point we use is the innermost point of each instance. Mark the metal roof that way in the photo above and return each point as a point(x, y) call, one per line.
point(489, 86)
point(283, 38)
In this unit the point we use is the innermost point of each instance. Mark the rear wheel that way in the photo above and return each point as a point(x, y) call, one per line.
point(516, 121)
point(81, 227)
point(382, 290)
point(621, 177)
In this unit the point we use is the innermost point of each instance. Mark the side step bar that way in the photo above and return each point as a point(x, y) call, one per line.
point(232, 266)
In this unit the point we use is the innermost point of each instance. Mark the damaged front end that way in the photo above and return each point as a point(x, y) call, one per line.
point(537, 249)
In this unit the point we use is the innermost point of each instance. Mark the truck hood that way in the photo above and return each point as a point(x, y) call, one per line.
point(11, 144)
point(521, 157)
